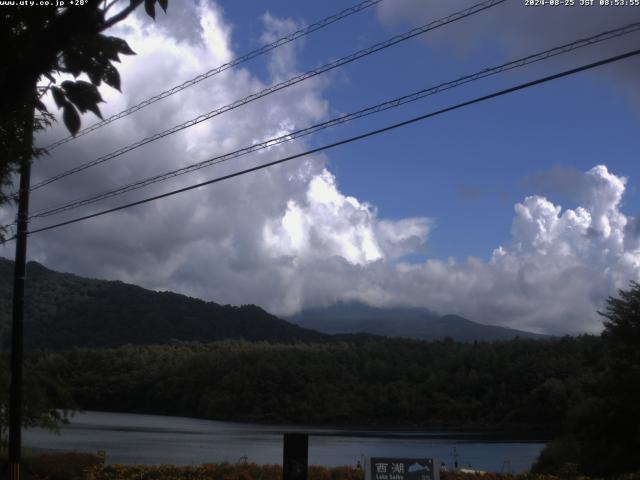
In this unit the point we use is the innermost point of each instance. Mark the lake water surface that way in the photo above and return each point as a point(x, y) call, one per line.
point(155, 439)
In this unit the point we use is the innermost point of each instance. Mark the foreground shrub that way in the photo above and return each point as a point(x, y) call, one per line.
point(51, 466)
point(558, 456)
point(77, 466)
point(218, 471)
point(61, 466)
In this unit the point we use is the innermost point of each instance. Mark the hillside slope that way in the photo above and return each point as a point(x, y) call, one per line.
point(65, 310)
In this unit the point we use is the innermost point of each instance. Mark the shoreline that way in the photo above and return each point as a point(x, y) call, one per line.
point(521, 432)
point(142, 439)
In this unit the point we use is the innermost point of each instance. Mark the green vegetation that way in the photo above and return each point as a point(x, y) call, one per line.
point(48, 404)
point(82, 466)
point(61, 466)
point(392, 381)
point(66, 311)
point(601, 435)
point(38, 45)
point(584, 390)
point(274, 472)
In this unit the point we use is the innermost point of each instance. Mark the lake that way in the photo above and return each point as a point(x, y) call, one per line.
point(155, 439)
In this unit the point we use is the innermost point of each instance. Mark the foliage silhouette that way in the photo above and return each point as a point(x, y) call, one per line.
point(602, 430)
point(42, 43)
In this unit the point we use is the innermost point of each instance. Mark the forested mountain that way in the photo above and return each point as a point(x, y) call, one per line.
point(381, 382)
point(416, 323)
point(65, 310)
point(265, 369)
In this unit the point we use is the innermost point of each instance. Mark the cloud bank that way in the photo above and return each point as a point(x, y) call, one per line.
point(287, 238)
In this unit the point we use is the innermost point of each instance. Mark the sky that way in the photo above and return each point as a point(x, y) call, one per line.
point(520, 211)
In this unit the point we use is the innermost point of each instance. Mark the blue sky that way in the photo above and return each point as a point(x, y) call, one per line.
point(520, 211)
point(467, 168)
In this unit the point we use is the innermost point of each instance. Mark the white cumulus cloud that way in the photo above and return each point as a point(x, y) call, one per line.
point(328, 223)
point(287, 237)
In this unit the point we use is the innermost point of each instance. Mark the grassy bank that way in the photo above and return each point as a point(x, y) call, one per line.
point(83, 466)
point(274, 472)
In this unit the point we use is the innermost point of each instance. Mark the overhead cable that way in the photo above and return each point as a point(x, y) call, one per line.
point(389, 104)
point(348, 140)
point(233, 63)
point(479, 7)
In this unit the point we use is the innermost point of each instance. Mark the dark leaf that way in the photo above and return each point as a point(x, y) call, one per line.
point(95, 76)
point(123, 47)
point(111, 77)
point(75, 62)
point(163, 4)
point(92, 56)
point(109, 47)
point(58, 97)
point(111, 52)
point(41, 106)
point(85, 90)
point(95, 110)
point(83, 95)
point(150, 8)
point(71, 118)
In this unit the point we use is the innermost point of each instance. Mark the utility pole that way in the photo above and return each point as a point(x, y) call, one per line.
point(15, 393)
point(295, 463)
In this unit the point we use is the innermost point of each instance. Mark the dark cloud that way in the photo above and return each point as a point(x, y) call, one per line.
point(471, 192)
point(561, 182)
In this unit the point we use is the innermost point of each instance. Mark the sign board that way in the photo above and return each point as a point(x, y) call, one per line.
point(378, 468)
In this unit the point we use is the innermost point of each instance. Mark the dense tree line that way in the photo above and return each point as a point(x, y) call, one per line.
point(585, 390)
point(392, 381)
point(601, 435)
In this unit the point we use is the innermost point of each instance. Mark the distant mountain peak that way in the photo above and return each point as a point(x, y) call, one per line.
point(66, 310)
point(408, 322)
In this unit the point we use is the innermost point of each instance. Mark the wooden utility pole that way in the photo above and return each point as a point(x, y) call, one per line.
point(295, 456)
point(15, 393)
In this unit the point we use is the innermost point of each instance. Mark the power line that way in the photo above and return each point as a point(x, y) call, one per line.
point(292, 81)
point(12, 237)
point(396, 102)
point(351, 139)
point(233, 63)
point(7, 240)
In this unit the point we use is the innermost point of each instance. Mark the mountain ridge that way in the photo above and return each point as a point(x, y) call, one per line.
point(406, 322)
point(64, 310)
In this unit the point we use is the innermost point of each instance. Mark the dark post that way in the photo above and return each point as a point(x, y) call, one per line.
point(295, 456)
point(15, 393)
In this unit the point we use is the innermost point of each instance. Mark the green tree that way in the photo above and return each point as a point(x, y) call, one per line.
point(602, 432)
point(45, 44)
point(41, 43)
point(613, 442)
point(47, 404)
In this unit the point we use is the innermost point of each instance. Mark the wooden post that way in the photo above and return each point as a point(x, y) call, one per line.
point(19, 274)
point(295, 456)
